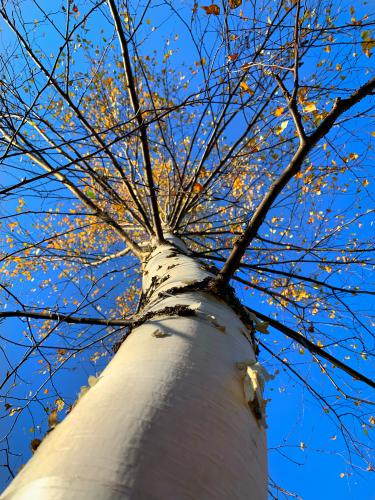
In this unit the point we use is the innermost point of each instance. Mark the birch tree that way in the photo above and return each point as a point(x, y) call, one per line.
point(185, 217)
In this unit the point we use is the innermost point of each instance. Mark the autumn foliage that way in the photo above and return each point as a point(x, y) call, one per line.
point(243, 127)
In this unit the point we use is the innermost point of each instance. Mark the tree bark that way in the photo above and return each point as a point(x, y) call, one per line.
point(167, 419)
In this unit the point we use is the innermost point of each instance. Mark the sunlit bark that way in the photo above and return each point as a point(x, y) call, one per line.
point(167, 418)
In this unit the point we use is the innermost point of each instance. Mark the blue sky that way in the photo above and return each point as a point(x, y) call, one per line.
point(307, 453)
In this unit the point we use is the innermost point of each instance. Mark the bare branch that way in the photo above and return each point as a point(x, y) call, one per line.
point(102, 214)
point(138, 116)
point(313, 348)
point(66, 318)
point(77, 111)
point(295, 165)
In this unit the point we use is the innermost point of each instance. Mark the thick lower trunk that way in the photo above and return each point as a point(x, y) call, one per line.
point(167, 419)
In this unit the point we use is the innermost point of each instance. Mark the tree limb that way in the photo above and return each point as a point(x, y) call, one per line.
point(138, 116)
point(295, 165)
point(313, 348)
point(66, 318)
point(102, 214)
point(77, 111)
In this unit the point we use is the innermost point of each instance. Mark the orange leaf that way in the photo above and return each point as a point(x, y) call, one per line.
point(233, 57)
point(211, 9)
point(34, 444)
point(197, 188)
point(233, 4)
point(279, 111)
point(302, 95)
point(52, 419)
point(244, 86)
point(75, 8)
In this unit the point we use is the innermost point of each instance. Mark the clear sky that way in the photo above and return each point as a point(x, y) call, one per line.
point(307, 453)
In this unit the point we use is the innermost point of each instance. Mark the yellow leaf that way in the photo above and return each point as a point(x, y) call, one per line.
point(211, 9)
point(244, 86)
point(13, 411)
point(309, 107)
point(342, 474)
point(279, 130)
point(365, 183)
point(279, 111)
point(301, 96)
point(238, 183)
point(201, 62)
point(353, 156)
point(92, 380)
point(368, 42)
point(59, 403)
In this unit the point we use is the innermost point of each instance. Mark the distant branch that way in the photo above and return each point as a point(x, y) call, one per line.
point(313, 348)
point(100, 213)
point(130, 82)
point(299, 277)
point(76, 110)
point(295, 165)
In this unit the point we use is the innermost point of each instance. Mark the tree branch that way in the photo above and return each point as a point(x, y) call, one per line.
point(138, 115)
point(102, 214)
point(66, 318)
point(295, 165)
point(295, 276)
point(312, 348)
point(76, 110)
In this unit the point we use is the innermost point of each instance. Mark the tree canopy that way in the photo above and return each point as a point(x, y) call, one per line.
point(242, 126)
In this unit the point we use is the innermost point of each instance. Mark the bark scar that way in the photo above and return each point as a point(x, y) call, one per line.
point(254, 378)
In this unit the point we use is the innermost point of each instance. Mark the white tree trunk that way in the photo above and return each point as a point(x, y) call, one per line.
point(167, 419)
